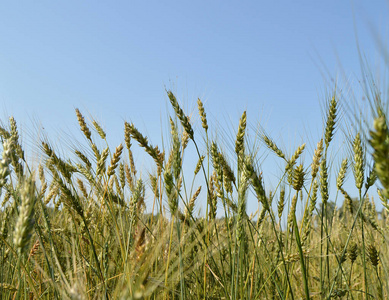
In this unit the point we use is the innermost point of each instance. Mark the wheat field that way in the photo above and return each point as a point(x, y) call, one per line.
point(92, 225)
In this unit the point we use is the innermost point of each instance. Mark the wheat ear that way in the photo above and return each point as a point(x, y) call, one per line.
point(180, 114)
point(83, 126)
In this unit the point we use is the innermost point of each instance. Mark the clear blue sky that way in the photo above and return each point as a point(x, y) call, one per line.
point(113, 59)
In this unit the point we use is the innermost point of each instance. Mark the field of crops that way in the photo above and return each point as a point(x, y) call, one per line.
point(76, 225)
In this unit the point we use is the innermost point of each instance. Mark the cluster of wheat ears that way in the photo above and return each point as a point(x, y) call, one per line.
point(78, 227)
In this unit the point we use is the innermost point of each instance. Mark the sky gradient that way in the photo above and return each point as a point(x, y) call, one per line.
point(113, 60)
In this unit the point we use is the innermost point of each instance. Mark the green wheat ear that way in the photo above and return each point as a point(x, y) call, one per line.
point(25, 221)
point(99, 129)
point(83, 126)
point(158, 156)
point(180, 114)
point(316, 159)
point(342, 174)
point(239, 144)
point(358, 161)
point(115, 160)
point(298, 178)
point(203, 115)
point(272, 146)
point(331, 120)
point(380, 142)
